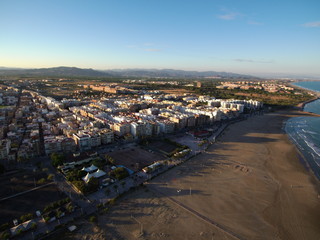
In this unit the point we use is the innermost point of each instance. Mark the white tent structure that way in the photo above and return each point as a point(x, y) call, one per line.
point(90, 169)
point(97, 174)
point(86, 178)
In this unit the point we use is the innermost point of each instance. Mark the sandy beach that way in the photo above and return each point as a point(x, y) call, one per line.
point(251, 184)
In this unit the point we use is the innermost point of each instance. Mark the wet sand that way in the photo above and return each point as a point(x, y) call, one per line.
point(251, 184)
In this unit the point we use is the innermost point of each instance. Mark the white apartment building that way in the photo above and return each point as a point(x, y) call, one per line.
point(106, 135)
point(83, 141)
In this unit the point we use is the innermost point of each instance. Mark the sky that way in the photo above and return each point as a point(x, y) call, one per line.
point(242, 36)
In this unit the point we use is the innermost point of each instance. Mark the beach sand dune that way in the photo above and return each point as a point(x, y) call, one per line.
point(251, 184)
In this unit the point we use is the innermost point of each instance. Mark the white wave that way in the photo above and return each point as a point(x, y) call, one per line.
point(315, 149)
point(310, 132)
point(315, 160)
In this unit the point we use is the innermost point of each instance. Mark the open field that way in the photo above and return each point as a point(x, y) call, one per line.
point(28, 203)
point(162, 146)
point(19, 181)
point(250, 185)
point(135, 158)
point(176, 91)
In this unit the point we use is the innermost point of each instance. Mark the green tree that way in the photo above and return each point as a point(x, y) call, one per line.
point(80, 185)
point(92, 219)
point(57, 159)
point(119, 173)
point(69, 207)
point(98, 163)
point(110, 159)
point(41, 181)
point(4, 226)
point(33, 226)
point(5, 235)
point(50, 177)
point(26, 217)
point(75, 175)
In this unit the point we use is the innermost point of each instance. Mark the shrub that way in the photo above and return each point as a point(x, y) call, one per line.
point(26, 217)
point(112, 201)
point(33, 226)
point(50, 177)
point(69, 207)
point(105, 210)
point(59, 213)
point(20, 231)
point(41, 181)
point(4, 226)
point(92, 219)
point(5, 235)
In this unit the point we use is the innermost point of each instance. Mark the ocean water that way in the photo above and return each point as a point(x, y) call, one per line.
point(305, 131)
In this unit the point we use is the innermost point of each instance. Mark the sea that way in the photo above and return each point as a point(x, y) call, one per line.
point(305, 131)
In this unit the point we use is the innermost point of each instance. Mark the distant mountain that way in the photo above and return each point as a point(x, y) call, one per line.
point(148, 73)
point(53, 72)
point(171, 73)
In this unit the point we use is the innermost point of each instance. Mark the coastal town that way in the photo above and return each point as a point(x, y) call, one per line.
point(83, 147)
point(160, 120)
point(87, 152)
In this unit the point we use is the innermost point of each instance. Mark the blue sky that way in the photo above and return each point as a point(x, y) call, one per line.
point(243, 36)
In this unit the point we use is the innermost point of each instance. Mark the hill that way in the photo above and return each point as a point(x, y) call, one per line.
point(147, 73)
point(172, 73)
point(53, 72)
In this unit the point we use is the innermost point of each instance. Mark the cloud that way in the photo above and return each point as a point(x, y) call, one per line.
point(252, 60)
point(312, 24)
point(152, 50)
point(229, 16)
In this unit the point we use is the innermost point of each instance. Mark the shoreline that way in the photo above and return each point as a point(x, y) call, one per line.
point(302, 105)
point(303, 158)
point(314, 92)
point(251, 182)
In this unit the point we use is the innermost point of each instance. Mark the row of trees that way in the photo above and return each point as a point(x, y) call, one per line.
point(56, 204)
